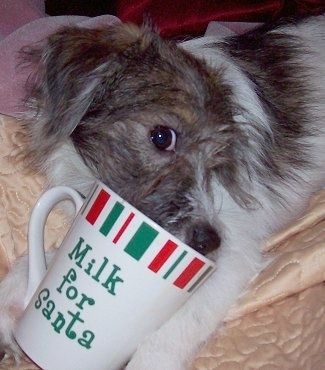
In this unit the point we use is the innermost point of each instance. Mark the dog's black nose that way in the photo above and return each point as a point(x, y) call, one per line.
point(204, 238)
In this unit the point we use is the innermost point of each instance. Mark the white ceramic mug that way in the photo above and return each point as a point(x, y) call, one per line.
point(116, 277)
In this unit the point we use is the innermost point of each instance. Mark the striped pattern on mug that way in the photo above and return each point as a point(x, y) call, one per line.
point(118, 221)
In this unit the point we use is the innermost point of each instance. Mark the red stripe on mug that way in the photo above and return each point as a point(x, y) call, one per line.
point(123, 228)
point(162, 256)
point(187, 275)
point(98, 206)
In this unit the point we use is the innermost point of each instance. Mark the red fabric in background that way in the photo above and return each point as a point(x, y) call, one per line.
point(191, 17)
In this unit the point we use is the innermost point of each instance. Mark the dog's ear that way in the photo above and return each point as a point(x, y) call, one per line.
point(71, 68)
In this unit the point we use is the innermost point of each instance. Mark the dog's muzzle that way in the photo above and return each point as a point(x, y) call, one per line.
point(204, 238)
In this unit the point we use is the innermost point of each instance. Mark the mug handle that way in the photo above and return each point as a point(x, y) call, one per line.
point(36, 253)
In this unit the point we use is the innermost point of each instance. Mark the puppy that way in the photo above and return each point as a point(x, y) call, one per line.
point(221, 142)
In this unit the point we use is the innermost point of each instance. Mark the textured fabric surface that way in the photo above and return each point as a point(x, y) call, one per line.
point(278, 324)
point(179, 18)
point(18, 193)
point(288, 335)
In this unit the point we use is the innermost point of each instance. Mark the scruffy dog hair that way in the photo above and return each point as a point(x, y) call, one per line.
point(221, 142)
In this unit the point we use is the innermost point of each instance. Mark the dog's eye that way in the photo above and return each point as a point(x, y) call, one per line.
point(164, 138)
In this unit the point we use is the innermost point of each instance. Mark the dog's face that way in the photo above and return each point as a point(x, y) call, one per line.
point(149, 120)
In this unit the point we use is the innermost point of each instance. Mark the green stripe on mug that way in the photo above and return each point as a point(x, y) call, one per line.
point(111, 218)
point(175, 264)
point(200, 279)
point(141, 241)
